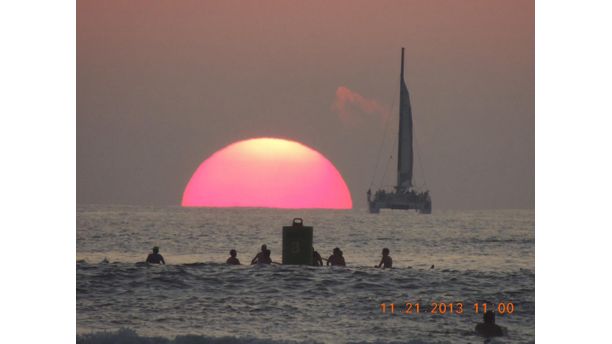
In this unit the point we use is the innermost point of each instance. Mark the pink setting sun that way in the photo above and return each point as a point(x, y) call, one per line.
point(267, 173)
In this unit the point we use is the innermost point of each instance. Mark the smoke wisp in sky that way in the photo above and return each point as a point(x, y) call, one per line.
point(353, 108)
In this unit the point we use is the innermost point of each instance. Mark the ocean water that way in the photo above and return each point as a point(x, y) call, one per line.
point(478, 257)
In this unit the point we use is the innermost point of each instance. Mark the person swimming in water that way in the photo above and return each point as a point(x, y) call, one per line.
point(155, 257)
point(233, 260)
point(316, 258)
point(386, 261)
point(267, 257)
point(336, 259)
point(488, 327)
point(260, 256)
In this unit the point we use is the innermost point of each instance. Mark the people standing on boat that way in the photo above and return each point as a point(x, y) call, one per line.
point(232, 260)
point(336, 259)
point(316, 258)
point(259, 256)
point(155, 257)
point(386, 262)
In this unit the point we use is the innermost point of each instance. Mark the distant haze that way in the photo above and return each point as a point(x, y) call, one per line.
point(162, 85)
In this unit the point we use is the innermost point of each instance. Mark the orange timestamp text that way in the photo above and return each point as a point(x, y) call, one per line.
point(447, 308)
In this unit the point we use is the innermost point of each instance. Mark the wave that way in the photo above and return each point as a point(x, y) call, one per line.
point(212, 280)
point(357, 270)
point(126, 335)
point(129, 336)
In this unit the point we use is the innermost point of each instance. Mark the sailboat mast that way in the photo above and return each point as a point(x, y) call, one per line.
point(402, 69)
point(405, 151)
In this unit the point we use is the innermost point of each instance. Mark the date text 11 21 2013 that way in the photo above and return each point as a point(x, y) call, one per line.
point(447, 308)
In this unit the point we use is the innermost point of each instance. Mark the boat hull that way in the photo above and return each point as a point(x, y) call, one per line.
point(421, 202)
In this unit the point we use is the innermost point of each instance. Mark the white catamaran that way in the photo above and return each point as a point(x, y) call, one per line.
point(404, 195)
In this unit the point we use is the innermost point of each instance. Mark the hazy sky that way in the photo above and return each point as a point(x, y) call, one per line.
point(161, 85)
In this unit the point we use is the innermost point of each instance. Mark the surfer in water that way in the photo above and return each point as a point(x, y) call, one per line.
point(260, 257)
point(232, 260)
point(386, 261)
point(488, 327)
point(336, 259)
point(316, 258)
point(155, 257)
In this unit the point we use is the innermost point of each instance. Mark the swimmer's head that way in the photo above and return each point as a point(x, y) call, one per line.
point(336, 250)
point(155, 249)
point(233, 253)
point(385, 251)
point(264, 247)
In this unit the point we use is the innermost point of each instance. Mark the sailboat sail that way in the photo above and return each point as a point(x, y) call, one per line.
point(405, 153)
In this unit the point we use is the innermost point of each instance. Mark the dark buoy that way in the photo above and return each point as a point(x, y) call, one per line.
point(488, 327)
point(297, 243)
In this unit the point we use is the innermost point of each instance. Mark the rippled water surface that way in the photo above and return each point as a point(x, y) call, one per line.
point(479, 257)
